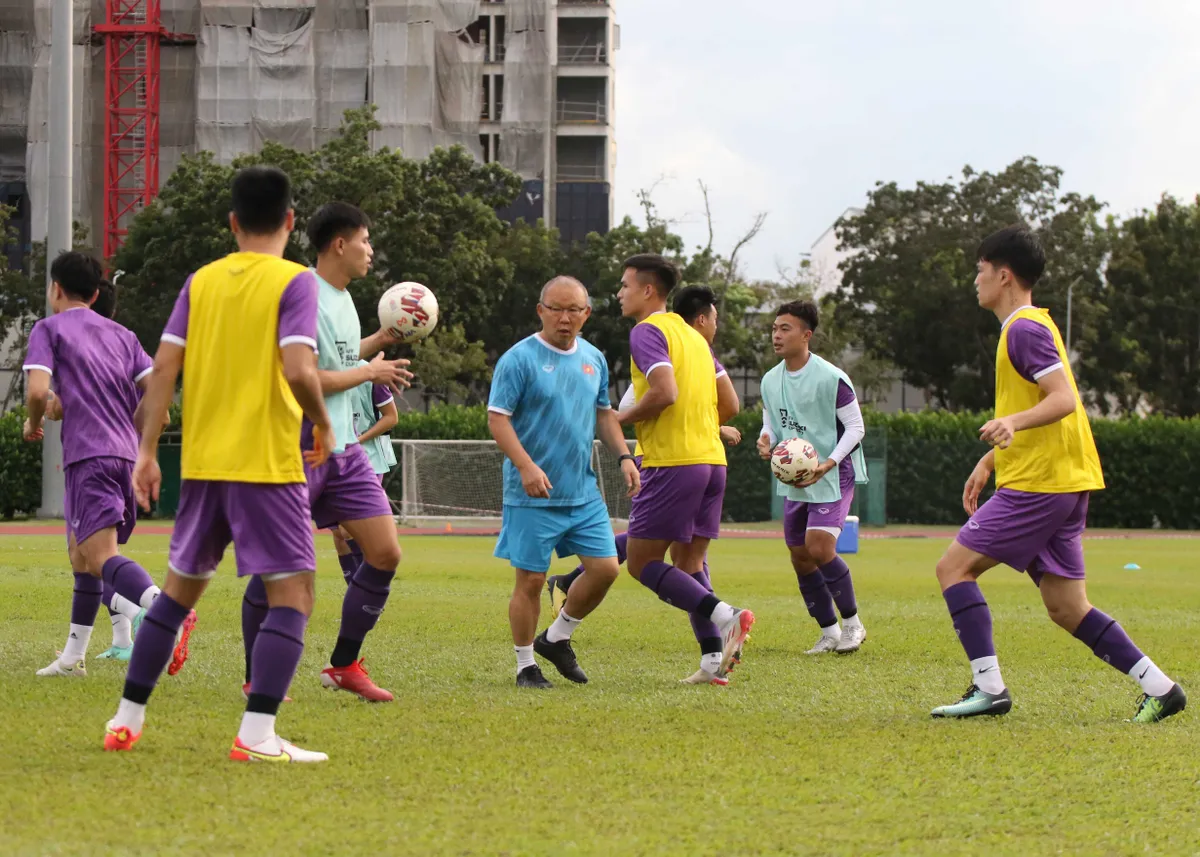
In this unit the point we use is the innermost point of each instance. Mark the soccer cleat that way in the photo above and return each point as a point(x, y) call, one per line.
point(57, 667)
point(734, 637)
point(274, 749)
point(976, 703)
point(354, 679)
point(1152, 709)
point(562, 656)
point(853, 636)
point(532, 677)
point(119, 737)
point(826, 644)
point(180, 656)
point(116, 653)
point(703, 676)
point(557, 594)
point(136, 622)
point(246, 693)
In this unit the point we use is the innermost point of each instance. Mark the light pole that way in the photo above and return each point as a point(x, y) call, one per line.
point(1070, 292)
point(59, 216)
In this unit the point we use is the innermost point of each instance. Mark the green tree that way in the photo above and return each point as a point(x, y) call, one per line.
point(433, 222)
point(1150, 331)
point(908, 290)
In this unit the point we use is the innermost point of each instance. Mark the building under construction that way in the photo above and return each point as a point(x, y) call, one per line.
point(528, 83)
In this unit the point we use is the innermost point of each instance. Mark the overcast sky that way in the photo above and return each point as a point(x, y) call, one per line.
point(797, 107)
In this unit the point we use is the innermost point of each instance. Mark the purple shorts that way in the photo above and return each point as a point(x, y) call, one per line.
point(678, 504)
point(799, 518)
point(99, 495)
point(346, 488)
point(268, 524)
point(1037, 533)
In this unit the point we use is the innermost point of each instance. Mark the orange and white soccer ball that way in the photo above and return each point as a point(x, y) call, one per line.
point(409, 311)
point(794, 461)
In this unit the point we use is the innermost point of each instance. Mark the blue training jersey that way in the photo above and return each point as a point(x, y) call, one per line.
point(552, 397)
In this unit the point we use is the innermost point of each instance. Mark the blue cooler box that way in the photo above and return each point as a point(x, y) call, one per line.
point(848, 541)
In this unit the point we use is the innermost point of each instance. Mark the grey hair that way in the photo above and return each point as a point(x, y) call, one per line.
point(563, 280)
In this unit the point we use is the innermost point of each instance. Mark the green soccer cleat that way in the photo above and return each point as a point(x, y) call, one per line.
point(116, 653)
point(976, 703)
point(1152, 709)
point(137, 623)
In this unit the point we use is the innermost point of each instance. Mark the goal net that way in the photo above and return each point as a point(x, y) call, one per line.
point(453, 480)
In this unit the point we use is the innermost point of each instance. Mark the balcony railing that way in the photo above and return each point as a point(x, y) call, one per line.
point(582, 2)
point(580, 172)
point(585, 112)
point(582, 54)
point(495, 116)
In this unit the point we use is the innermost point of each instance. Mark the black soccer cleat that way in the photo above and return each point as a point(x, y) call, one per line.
point(532, 677)
point(562, 656)
point(1152, 709)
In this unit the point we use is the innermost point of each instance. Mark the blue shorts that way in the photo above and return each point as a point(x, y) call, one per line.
point(529, 535)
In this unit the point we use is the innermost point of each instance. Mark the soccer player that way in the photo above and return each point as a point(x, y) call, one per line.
point(549, 400)
point(697, 305)
point(243, 331)
point(1046, 465)
point(375, 415)
point(683, 463)
point(346, 490)
point(806, 396)
point(99, 369)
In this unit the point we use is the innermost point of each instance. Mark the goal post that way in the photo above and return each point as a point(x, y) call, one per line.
point(462, 480)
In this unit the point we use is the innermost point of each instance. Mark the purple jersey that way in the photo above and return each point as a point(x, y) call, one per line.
point(648, 347)
point(96, 365)
point(1032, 350)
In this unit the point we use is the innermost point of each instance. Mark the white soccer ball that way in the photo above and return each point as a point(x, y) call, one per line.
point(794, 461)
point(409, 311)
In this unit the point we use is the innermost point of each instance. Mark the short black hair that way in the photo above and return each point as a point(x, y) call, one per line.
point(335, 220)
point(694, 301)
point(654, 270)
point(77, 273)
point(806, 311)
point(1017, 248)
point(262, 197)
point(105, 303)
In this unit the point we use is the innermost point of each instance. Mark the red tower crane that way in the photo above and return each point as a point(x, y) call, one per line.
point(132, 32)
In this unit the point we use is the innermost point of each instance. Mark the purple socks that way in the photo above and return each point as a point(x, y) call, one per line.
point(708, 635)
point(817, 598)
point(127, 578)
point(972, 619)
point(349, 565)
point(277, 651)
point(155, 643)
point(1108, 641)
point(678, 588)
point(254, 613)
point(85, 603)
point(840, 585)
point(365, 599)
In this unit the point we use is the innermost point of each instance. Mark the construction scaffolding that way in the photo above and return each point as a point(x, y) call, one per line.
point(229, 75)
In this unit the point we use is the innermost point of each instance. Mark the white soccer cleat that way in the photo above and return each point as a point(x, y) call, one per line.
point(273, 749)
point(77, 670)
point(825, 644)
point(733, 638)
point(703, 676)
point(852, 637)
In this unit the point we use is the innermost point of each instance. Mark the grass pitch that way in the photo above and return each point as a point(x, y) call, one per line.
point(828, 755)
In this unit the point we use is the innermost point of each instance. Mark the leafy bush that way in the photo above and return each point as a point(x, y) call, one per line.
point(20, 468)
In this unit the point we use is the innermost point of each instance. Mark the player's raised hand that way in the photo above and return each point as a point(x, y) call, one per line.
point(764, 447)
point(633, 478)
point(730, 435)
point(535, 482)
point(323, 442)
point(393, 373)
point(32, 432)
point(998, 432)
point(147, 480)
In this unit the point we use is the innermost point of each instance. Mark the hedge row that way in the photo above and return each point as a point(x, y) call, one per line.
point(1148, 465)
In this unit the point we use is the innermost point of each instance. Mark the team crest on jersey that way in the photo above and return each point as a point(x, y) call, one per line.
point(589, 369)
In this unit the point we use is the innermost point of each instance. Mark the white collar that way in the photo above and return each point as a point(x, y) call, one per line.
point(1014, 312)
point(574, 345)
